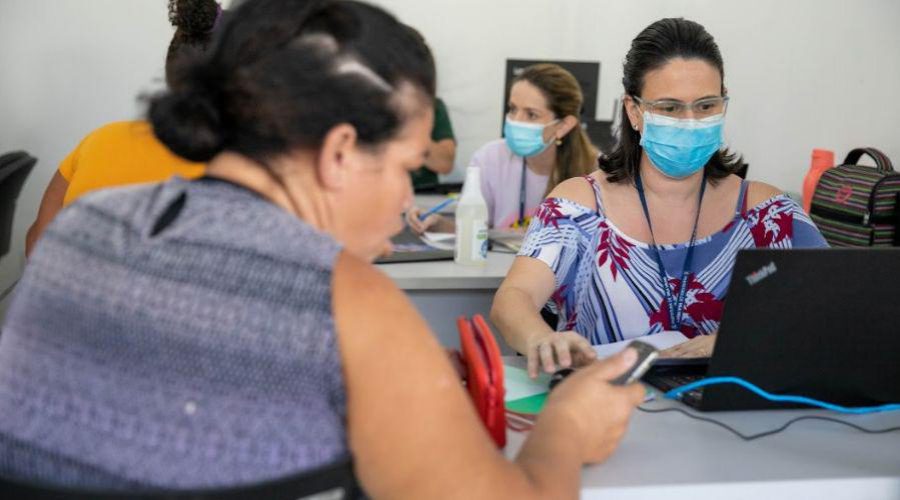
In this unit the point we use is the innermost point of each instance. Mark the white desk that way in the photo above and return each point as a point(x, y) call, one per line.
point(671, 456)
point(444, 290)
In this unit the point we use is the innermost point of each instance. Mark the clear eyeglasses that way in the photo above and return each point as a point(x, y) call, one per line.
point(701, 108)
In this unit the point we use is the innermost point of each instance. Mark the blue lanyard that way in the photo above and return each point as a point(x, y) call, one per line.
point(522, 195)
point(676, 308)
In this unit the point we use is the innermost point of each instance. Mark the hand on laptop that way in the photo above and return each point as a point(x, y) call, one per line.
point(698, 347)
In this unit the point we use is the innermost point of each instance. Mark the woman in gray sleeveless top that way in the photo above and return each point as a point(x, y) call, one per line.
point(230, 330)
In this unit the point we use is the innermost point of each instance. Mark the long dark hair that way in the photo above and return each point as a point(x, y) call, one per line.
point(659, 43)
point(281, 73)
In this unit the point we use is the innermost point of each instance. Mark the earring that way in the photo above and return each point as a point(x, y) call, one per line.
point(558, 141)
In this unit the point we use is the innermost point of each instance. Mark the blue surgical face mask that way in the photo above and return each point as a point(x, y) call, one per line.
point(526, 139)
point(680, 147)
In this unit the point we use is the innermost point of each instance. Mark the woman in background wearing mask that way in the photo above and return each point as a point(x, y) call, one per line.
point(543, 146)
point(648, 243)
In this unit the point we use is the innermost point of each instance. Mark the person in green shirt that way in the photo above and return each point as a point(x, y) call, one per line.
point(442, 150)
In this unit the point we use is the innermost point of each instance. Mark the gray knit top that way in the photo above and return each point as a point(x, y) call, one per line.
point(172, 335)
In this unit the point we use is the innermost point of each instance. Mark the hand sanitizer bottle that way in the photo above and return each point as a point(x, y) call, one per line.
point(471, 222)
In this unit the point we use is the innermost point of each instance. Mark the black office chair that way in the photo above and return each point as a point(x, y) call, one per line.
point(333, 482)
point(14, 169)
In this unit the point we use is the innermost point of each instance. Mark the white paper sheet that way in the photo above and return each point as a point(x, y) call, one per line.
point(442, 241)
point(661, 340)
point(518, 385)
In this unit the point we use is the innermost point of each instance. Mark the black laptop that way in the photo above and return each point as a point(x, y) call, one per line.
point(821, 323)
point(408, 247)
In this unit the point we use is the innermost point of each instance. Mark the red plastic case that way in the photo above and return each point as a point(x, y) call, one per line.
point(484, 369)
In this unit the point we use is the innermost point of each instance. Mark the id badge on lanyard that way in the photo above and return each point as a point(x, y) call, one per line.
point(676, 306)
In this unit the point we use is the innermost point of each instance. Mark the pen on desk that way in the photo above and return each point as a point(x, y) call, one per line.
point(437, 208)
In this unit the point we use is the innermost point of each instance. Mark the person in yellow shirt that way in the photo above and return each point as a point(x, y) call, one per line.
point(121, 153)
point(127, 152)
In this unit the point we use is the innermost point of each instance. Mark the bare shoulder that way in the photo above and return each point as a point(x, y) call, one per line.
point(359, 286)
point(758, 192)
point(576, 189)
point(388, 354)
point(370, 310)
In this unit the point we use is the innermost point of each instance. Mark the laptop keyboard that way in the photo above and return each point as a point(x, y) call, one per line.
point(668, 382)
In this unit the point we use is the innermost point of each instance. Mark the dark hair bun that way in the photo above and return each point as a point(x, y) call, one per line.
point(195, 17)
point(188, 123)
point(281, 73)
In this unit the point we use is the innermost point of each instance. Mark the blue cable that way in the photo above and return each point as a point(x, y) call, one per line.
point(674, 393)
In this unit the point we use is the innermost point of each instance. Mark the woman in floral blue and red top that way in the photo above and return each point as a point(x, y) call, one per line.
point(647, 243)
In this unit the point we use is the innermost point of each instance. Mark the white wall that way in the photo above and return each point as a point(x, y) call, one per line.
point(801, 73)
point(66, 67)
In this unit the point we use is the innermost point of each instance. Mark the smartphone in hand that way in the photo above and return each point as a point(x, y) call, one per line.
point(647, 354)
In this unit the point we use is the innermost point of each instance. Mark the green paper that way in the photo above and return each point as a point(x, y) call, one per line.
point(531, 405)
